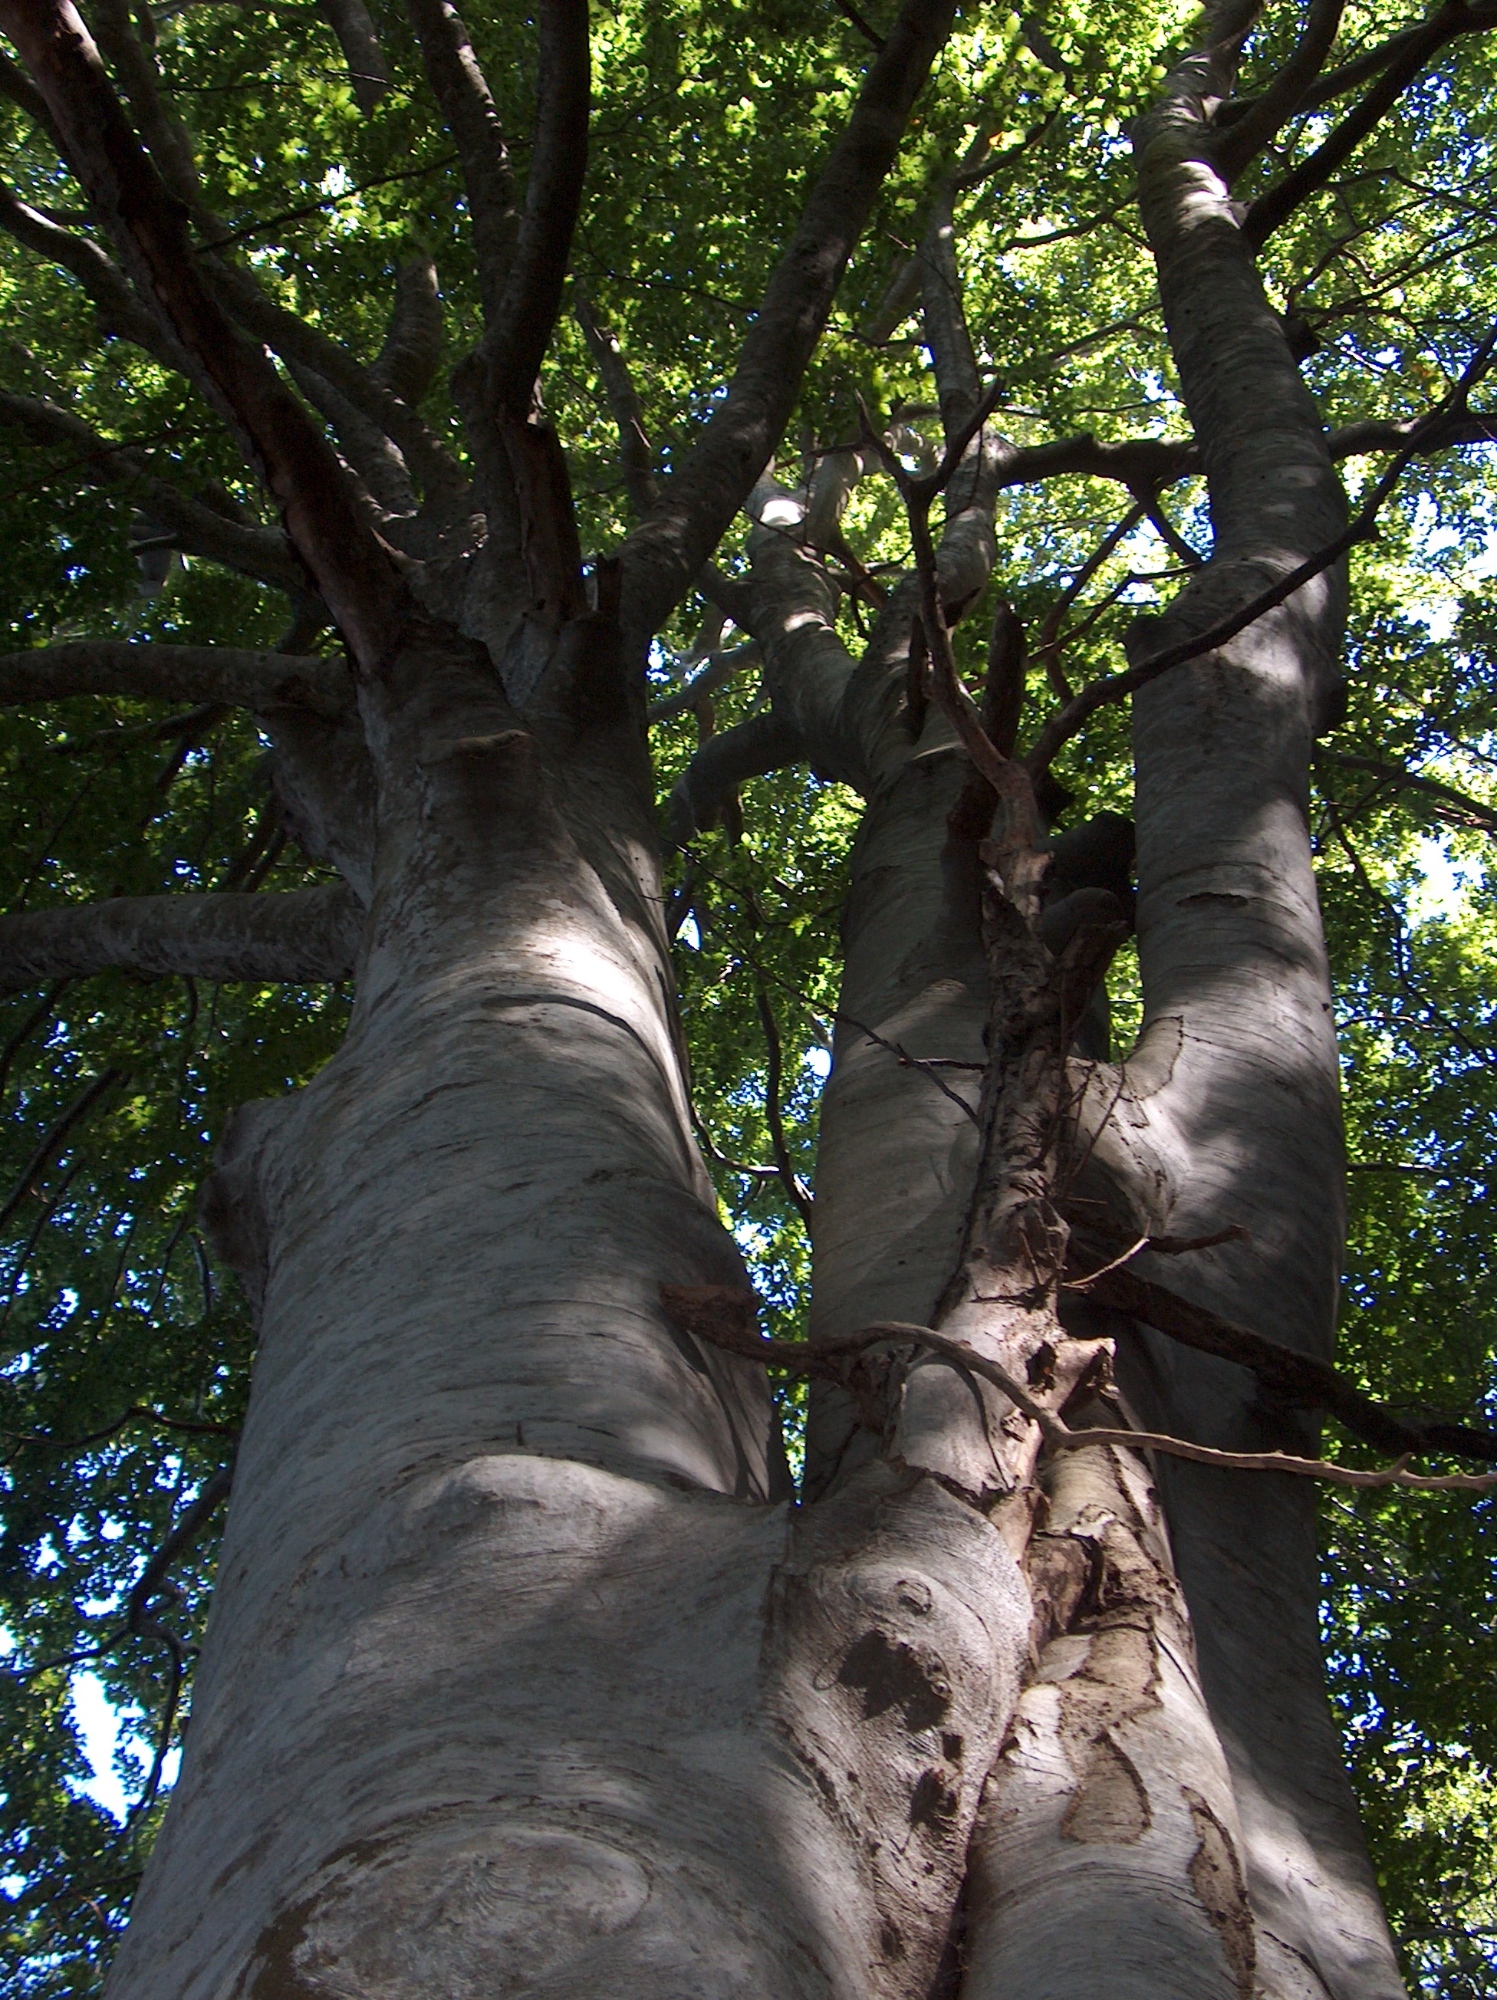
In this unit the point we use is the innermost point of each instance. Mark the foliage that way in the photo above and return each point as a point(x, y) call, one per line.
point(125, 1356)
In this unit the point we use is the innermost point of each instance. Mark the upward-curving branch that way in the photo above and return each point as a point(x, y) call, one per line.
point(663, 557)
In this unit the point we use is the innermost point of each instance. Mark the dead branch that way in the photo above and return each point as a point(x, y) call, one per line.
point(1299, 1377)
point(724, 1317)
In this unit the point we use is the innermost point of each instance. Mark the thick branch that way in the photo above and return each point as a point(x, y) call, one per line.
point(411, 351)
point(765, 742)
point(353, 570)
point(197, 528)
point(663, 558)
point(516, 342)
point(294, 339)
point(304, 936)
point(120, 311)
point(359, 40)
point(175, 673)
point(635, 450)
point(1269, 113)
point(467, 104)
point(1362, 528)
point(716, 671)
point(1281, 200)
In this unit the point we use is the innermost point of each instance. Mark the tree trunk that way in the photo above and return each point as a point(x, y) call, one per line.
point(490, 1699)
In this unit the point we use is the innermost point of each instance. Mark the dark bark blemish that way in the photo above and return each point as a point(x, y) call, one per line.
point(933, 1802)
point(1112, 1806)
point(1216, 1876)
point(891, 1675)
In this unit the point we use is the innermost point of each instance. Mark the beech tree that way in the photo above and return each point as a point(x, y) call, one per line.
point(683, 664)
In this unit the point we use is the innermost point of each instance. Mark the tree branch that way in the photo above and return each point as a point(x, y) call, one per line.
point(663, 557)
point(1268, 114)
point(1298, 1377)
point(144, 671)
point(716, 671)
point(773, 1111)
point(1063, 725)
point(708, 1312)
point(467, 104)
point(305, 936)
point(1465, 811)
point(54, 1136)
point(120, 310)
point(197, 528)
point(359, 40)
point(440, 476)
point(516, 342)
point(764, 742)
point(353, 570)
point(1279, 203)
point(635, 450)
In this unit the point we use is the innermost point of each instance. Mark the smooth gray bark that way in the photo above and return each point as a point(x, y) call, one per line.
point(302, 935)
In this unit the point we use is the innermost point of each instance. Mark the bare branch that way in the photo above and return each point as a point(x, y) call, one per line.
point(359, 40)
point(52, 1139)
point(712, 1319)
point(466, 103)
point(664, 556)
point(354, 572)
point(175, 673)
point(156, 117)
point(305, 936)
point(1297, 1376)
point(958, 382)
point(294, 339)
